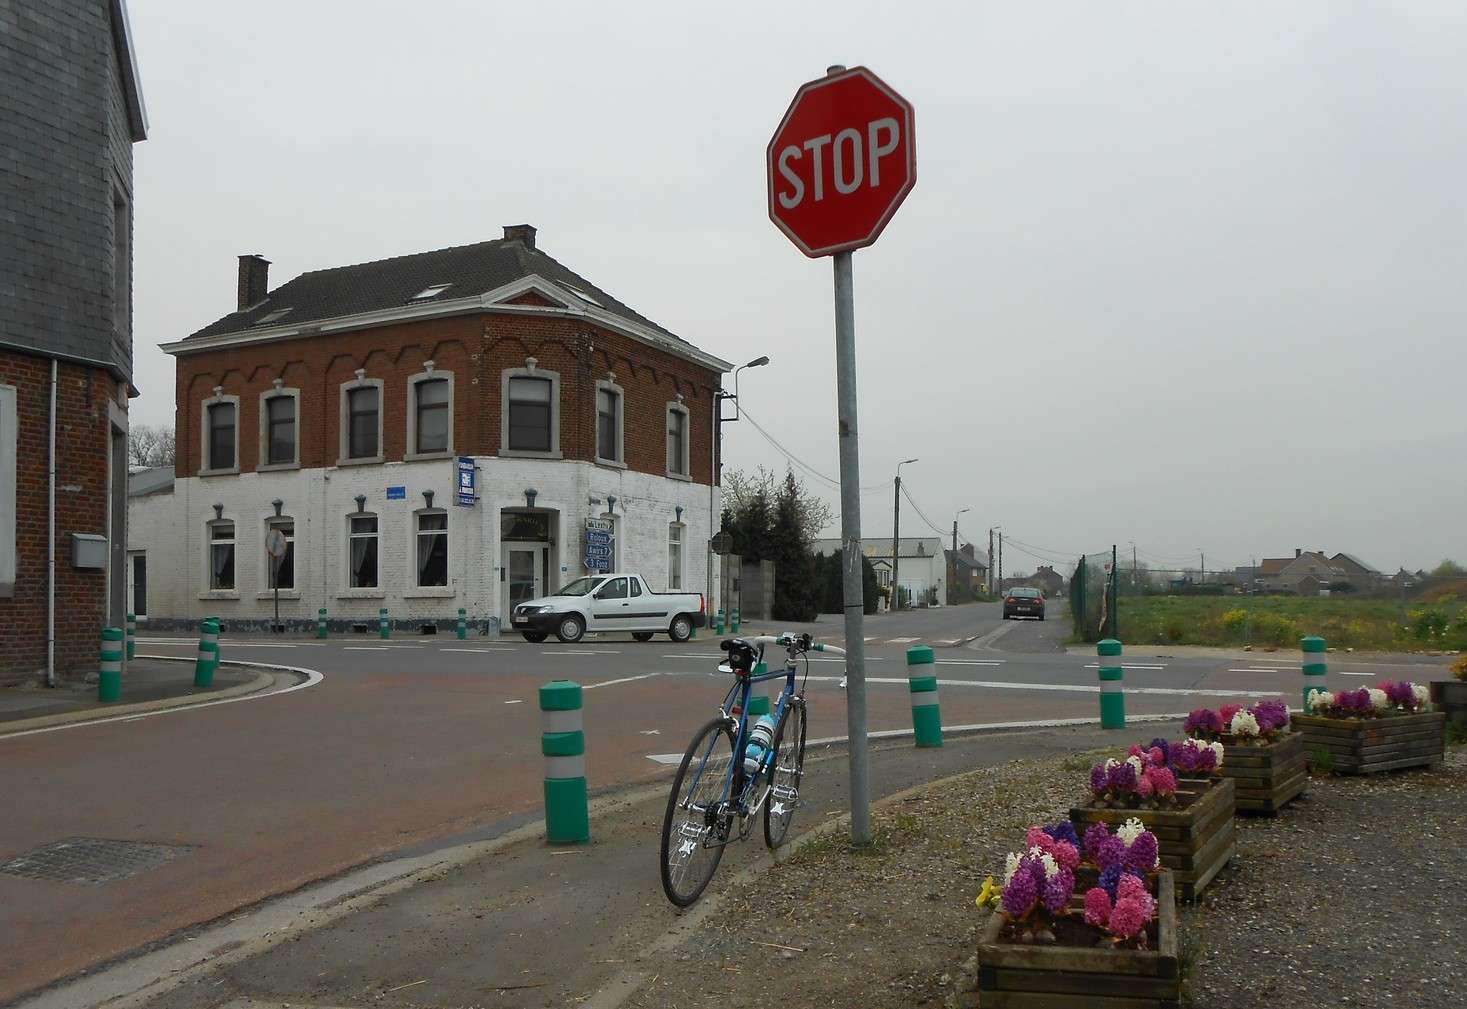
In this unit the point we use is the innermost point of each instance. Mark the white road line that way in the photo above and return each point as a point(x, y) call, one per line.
point(1342, 673)
point(1075, 688)
point(599, 651)
point(612, 683)
point(971, 662)
point(947, 641)
point(365, 648)
point(514, 702)
point(1126, 665)
point(1272, 669)
point(1046, 723)
point(900, 641)
point(476, 651)
point(311, 675)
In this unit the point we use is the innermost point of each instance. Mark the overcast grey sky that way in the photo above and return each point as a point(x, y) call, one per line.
point(1188, 274)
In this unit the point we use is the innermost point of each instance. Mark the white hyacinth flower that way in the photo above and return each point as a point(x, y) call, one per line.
point(1379, 699)
point(1422, 695)
point(1244, 725)
point(1135, 762)
point(1217, 751)
point(1051, 867)
point(1010, 866)
point(1111, 762)
point(1321, 700)
point(1130, 830)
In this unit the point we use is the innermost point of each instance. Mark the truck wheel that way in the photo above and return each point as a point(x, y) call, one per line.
point(534, 637)
point(641, 635)
point(572, 628)
point(681, 629)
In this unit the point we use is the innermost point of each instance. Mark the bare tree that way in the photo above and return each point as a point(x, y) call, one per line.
point(740, 489)
point(149, 446)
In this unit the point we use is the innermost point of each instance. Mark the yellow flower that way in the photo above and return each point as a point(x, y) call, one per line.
point(988, 896)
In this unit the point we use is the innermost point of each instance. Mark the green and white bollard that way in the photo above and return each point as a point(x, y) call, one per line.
point(384, 626)
point(463, 623)
point(758, 705)
point(563, 742)
point(718, 622)
point(1315, 667)
point(132, 636)
point(321, 623)
point(208, 659)
point(922, 683)
point(1112, 687)
point(109, 677)
point(735, 620)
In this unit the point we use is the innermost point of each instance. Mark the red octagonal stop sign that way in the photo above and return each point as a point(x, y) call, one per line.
point(843, 159)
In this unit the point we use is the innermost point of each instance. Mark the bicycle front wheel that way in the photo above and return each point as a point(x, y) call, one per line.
point(697, 824)
point(789, 768)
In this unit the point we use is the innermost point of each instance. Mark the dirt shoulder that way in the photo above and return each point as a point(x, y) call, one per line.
point(1345, 899)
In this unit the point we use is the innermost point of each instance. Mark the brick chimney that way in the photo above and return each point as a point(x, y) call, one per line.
point(520, 232)
point(254, 280)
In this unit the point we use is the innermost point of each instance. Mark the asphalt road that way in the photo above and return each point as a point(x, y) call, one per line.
point(418, 740)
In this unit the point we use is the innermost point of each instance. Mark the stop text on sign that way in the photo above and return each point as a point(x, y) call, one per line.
point(841, 162)
point(852, 159)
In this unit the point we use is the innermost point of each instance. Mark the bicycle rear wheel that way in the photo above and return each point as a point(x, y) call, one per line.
point(695, 828)
point(789, 768)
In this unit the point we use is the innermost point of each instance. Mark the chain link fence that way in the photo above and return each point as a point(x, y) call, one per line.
point(1093, 597)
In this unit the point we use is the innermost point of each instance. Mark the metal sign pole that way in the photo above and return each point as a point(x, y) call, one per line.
point(850, 529)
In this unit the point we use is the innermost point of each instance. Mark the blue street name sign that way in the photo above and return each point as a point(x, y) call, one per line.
point(397, 493)
point(467, 475)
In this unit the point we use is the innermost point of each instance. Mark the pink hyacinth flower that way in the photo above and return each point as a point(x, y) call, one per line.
point(1128, 918)
point(1097, 907)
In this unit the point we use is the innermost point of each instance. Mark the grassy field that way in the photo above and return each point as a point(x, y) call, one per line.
point(1280, 621)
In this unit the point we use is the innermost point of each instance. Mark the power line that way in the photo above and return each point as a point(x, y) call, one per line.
point(832, 481)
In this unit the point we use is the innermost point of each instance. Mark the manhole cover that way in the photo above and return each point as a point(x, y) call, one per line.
point(91, 860)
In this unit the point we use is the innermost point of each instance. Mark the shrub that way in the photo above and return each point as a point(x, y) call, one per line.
point(1321, 761)
point(1459, 668)
point(1235, 620)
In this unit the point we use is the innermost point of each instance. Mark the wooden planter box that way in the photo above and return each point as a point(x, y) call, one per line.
point(1371, 745)
point(1267, 776)
point(1042, 976)
point(1450, 698)
point(1196, 838)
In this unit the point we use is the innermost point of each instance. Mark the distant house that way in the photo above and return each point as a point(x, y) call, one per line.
point(921, 564)
point(1048, 580)
point(1287, 574)
point(965, 571)
point(1359, 574)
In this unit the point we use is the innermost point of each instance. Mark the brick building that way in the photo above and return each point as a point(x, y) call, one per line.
point(343, 407)
point(70, 111)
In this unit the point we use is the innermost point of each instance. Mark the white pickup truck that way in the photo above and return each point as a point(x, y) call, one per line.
point(612, 603)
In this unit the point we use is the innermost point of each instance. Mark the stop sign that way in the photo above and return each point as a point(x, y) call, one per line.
point(843, 159)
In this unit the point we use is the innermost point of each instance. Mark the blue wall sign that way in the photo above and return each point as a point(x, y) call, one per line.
point(466, 493)
point(598, 548)
point(397, 493)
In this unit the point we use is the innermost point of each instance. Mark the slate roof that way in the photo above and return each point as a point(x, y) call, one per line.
point(142, 482)
point(392, 283)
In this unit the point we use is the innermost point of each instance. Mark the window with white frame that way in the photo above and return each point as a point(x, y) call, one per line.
point(9, 441)
point(609, 428)
point(675, 557)
point(221, 434)
point(431, 416)
point(282, 576)
point(432, 536)
point(280, 427)
point(221, 555)
point(361, 420)
point(362, 551)
point(677, 440)
point(530, 412)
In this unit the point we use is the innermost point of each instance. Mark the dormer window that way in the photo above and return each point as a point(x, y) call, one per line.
point(270, 317)
point(431, 292)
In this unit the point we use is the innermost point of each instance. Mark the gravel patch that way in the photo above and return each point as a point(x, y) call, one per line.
point(1351, 897)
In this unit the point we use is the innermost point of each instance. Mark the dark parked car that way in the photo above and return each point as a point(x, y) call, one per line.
point(1023, 602)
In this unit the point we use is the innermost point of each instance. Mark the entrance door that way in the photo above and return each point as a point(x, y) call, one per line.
point(524, 567)
point(139, 584)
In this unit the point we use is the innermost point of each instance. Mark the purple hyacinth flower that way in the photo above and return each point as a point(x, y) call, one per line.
point(1157, 744)
point(1112, 851)
point(1098, 779)
point(1058, 891)
point(1063, 831)
point(1141, 856)
point(1206, 759)
point(1020, 894)
point(1122, 777)
point(1095, 837)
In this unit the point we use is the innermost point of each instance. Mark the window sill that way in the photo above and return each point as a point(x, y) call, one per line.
point(290, 594)
point(219, 594)
point(276, 467)
point(679, 476)
point(233, 471)
point(424, 456)
point(516, 453)
point(610, 463)
point(431, 592)
point(375, 460)
point(361, 594)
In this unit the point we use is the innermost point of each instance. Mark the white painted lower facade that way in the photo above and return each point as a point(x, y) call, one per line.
point(655, 519)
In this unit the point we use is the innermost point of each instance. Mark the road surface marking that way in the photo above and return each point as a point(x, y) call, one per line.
point(1342, 673)
point(1076, 688)
point(599, 651)
point(365, 648)
point(476, 651)
point(900, 641)
point(719, 655)
point(971, 662)
point(1126, 665)
point(612, 683)
point(312, 677)
point(1044, 723)
point(514, 702)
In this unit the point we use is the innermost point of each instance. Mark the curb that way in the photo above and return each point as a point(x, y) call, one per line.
point(260, 682)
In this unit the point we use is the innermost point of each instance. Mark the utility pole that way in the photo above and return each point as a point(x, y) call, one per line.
point(896, 542)
point(1135, 585)
point(990, 561)
point(1000, 563)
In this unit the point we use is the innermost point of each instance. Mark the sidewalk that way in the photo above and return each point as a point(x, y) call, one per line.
point(511, 923)
point(146, 684)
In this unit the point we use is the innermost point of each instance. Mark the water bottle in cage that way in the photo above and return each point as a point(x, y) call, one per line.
point(761, 738)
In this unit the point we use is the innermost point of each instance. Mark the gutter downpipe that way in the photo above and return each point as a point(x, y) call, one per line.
point(51, 534)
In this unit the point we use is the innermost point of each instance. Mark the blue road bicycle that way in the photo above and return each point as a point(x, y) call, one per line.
point(734, 771)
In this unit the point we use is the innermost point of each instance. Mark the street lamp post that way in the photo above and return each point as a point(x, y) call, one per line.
point(719, 420)
point(896, 543)
point(953, 564)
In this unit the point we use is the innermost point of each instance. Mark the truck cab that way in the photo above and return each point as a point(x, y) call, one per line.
point(619, 602)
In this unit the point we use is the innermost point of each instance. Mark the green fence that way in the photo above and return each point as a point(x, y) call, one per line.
point(1093, 595)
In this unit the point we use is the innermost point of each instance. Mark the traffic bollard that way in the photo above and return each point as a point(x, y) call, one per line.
point(735, 620)
point(463, 623)
point(922, 684)
point(384, 627)
point(109, 677)
point(718, 622)
point(321, 623)
point(1315, 667)
point(1112, 689)
point(563, 742)
point(208, 659)
point(132, 636)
